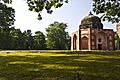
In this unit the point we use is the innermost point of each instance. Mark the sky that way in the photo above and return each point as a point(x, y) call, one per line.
point(71, 13)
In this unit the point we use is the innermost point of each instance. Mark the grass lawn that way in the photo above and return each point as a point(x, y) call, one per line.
point(59, 66)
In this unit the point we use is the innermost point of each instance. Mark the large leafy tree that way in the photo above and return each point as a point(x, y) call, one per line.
point(110, 9)
point(56, 36)
point(39, 40)
point(16, 38)
point(28, 39)
point(7, 15)
point(5, 38)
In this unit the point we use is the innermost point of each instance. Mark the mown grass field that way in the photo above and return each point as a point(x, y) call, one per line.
point(35, 65)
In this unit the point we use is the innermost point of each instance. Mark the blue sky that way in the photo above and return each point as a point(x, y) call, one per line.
point(71, 13)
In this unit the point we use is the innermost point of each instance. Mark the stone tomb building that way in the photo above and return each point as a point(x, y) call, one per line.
point(92, 36)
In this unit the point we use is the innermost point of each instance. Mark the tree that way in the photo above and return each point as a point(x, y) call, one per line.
point(16, 39)
point(56, 36)
point(68, 44)
point(7, 15)
point(116, 37)
point(6, 1)
point(39, 5)
point(5, 38)
point(39, 40)
point(28, 43)
point(110, 10)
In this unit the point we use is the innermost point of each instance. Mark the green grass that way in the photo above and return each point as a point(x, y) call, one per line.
point(35, 65)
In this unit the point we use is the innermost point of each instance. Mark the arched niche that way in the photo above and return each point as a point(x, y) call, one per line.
point(74, 42)
point(84, 43)
point(101, 41)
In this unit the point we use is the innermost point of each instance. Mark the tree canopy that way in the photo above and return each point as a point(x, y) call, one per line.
point(110, 9)
point(39, 40)
point(6, 1)
point(7, 15)
point(56, 37)
point(39, 5)
point(12, 38)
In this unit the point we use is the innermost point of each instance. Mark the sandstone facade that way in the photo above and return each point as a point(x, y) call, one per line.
point(92, 36)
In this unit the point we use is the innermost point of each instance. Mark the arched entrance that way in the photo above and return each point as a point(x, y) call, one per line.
point(84, 42)
point(99, 44)
point(101, 41)
point(74, 42)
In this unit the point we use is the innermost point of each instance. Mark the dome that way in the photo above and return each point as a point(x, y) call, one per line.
point(91, 21)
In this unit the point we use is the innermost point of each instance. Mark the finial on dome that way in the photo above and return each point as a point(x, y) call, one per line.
point(90, 13)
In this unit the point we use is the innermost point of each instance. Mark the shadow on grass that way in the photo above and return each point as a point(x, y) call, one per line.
point(74, 67)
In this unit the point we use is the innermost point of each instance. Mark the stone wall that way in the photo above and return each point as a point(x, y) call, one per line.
point(92, 39)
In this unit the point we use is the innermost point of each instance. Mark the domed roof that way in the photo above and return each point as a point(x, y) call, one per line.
point(91, 21)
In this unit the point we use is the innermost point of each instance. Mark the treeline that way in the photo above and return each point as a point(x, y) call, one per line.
point(10, 38)
point(56, 38)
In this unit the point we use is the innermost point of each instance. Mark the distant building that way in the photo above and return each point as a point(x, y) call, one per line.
point(92, 36)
